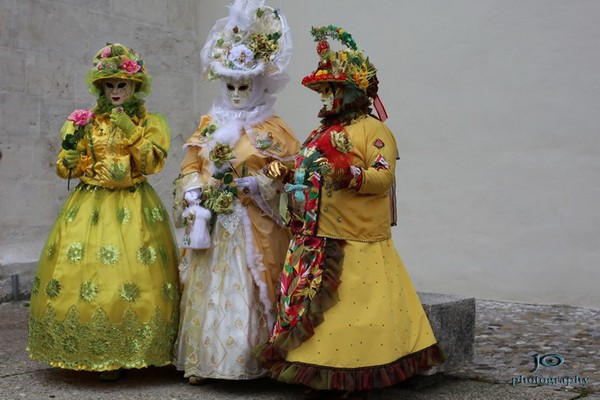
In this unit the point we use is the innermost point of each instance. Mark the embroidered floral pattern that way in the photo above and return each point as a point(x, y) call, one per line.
point(146, 255)
point(123, 215)
point(53, 288)
point(102, 344)
point(35, 285)
point(118, 172)
point(95, 216)
point(169, 291)
point(158, 214)
point(50, 250)
point(75, 252)
point(130, 292)
point(71, 214)
point(109, 254)
point(88, 291)
point(155, 214)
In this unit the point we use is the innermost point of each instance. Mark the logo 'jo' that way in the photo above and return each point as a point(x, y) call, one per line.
point(547, 360)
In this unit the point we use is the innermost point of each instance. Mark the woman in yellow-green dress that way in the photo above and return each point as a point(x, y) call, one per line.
point(349, 318)
point(105, 295)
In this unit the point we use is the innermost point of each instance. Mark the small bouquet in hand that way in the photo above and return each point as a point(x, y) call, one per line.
point(80, 119)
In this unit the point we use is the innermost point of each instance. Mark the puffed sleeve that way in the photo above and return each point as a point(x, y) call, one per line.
point(380, 158)
point(149, 151)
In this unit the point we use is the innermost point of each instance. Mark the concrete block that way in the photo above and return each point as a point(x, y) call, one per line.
point(49, 76)
point(7, 23)
point(20, 117)
point(182, 14)
point(24, 273)
point(12, 65)
point(51, 27)
point(147, 11)
point(108, 29)
point(452, 319)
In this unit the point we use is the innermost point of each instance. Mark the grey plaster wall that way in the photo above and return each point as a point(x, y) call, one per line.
point(46, 48)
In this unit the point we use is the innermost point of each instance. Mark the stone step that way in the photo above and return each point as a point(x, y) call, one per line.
point(452, 319)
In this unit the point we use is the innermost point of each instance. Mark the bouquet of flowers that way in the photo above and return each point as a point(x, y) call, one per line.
point(80, 119)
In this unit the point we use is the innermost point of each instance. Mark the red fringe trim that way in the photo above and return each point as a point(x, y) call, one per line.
point(358, 379)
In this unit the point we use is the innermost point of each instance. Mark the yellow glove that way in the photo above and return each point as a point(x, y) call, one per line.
point(122, 121)
point(70, 158)
point(275, 170)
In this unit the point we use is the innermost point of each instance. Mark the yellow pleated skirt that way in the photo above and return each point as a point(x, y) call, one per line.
point(379, 318)
point(106, 292)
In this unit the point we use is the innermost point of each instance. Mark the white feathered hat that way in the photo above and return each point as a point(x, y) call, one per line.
point(253, 40)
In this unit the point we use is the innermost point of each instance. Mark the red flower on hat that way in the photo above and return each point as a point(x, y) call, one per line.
point(322, 47)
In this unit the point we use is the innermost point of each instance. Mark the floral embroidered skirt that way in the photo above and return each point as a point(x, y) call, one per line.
point(106, 291)
point(222, 316)
point(350, 318)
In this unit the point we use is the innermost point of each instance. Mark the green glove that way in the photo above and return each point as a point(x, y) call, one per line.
point(71, 157)
point(122, 121)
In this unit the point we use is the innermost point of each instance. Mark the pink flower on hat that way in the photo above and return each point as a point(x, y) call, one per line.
point(81, 117)
point(106, 52)
point(130, 66)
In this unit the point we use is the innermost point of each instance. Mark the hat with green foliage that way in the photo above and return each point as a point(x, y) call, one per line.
point(348, 66)
point(116, 61)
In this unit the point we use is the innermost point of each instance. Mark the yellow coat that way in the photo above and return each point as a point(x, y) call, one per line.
point(362, 215)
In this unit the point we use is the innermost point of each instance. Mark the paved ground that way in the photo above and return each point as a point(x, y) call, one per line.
point(507, 335)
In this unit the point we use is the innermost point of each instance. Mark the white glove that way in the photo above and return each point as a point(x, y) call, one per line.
point(247, 185)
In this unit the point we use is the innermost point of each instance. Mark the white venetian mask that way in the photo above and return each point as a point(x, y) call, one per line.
point(238, 91)
point(118, 91)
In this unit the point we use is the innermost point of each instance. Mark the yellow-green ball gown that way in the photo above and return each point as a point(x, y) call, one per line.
point(106, 292)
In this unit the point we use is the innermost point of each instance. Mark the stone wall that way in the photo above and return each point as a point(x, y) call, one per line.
point(46, 48)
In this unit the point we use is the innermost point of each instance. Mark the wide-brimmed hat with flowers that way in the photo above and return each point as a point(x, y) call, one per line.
point(348, 66)
point(117, 61)
point(253, 40)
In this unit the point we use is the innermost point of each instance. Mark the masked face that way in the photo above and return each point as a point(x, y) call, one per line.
point(238, 92)
point(327, 97)
point(118, 91)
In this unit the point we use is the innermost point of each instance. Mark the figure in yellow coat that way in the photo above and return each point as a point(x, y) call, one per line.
point(349, 318)
point(105, 295)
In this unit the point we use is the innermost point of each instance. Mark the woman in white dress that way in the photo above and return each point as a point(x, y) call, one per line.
point(228, 202)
